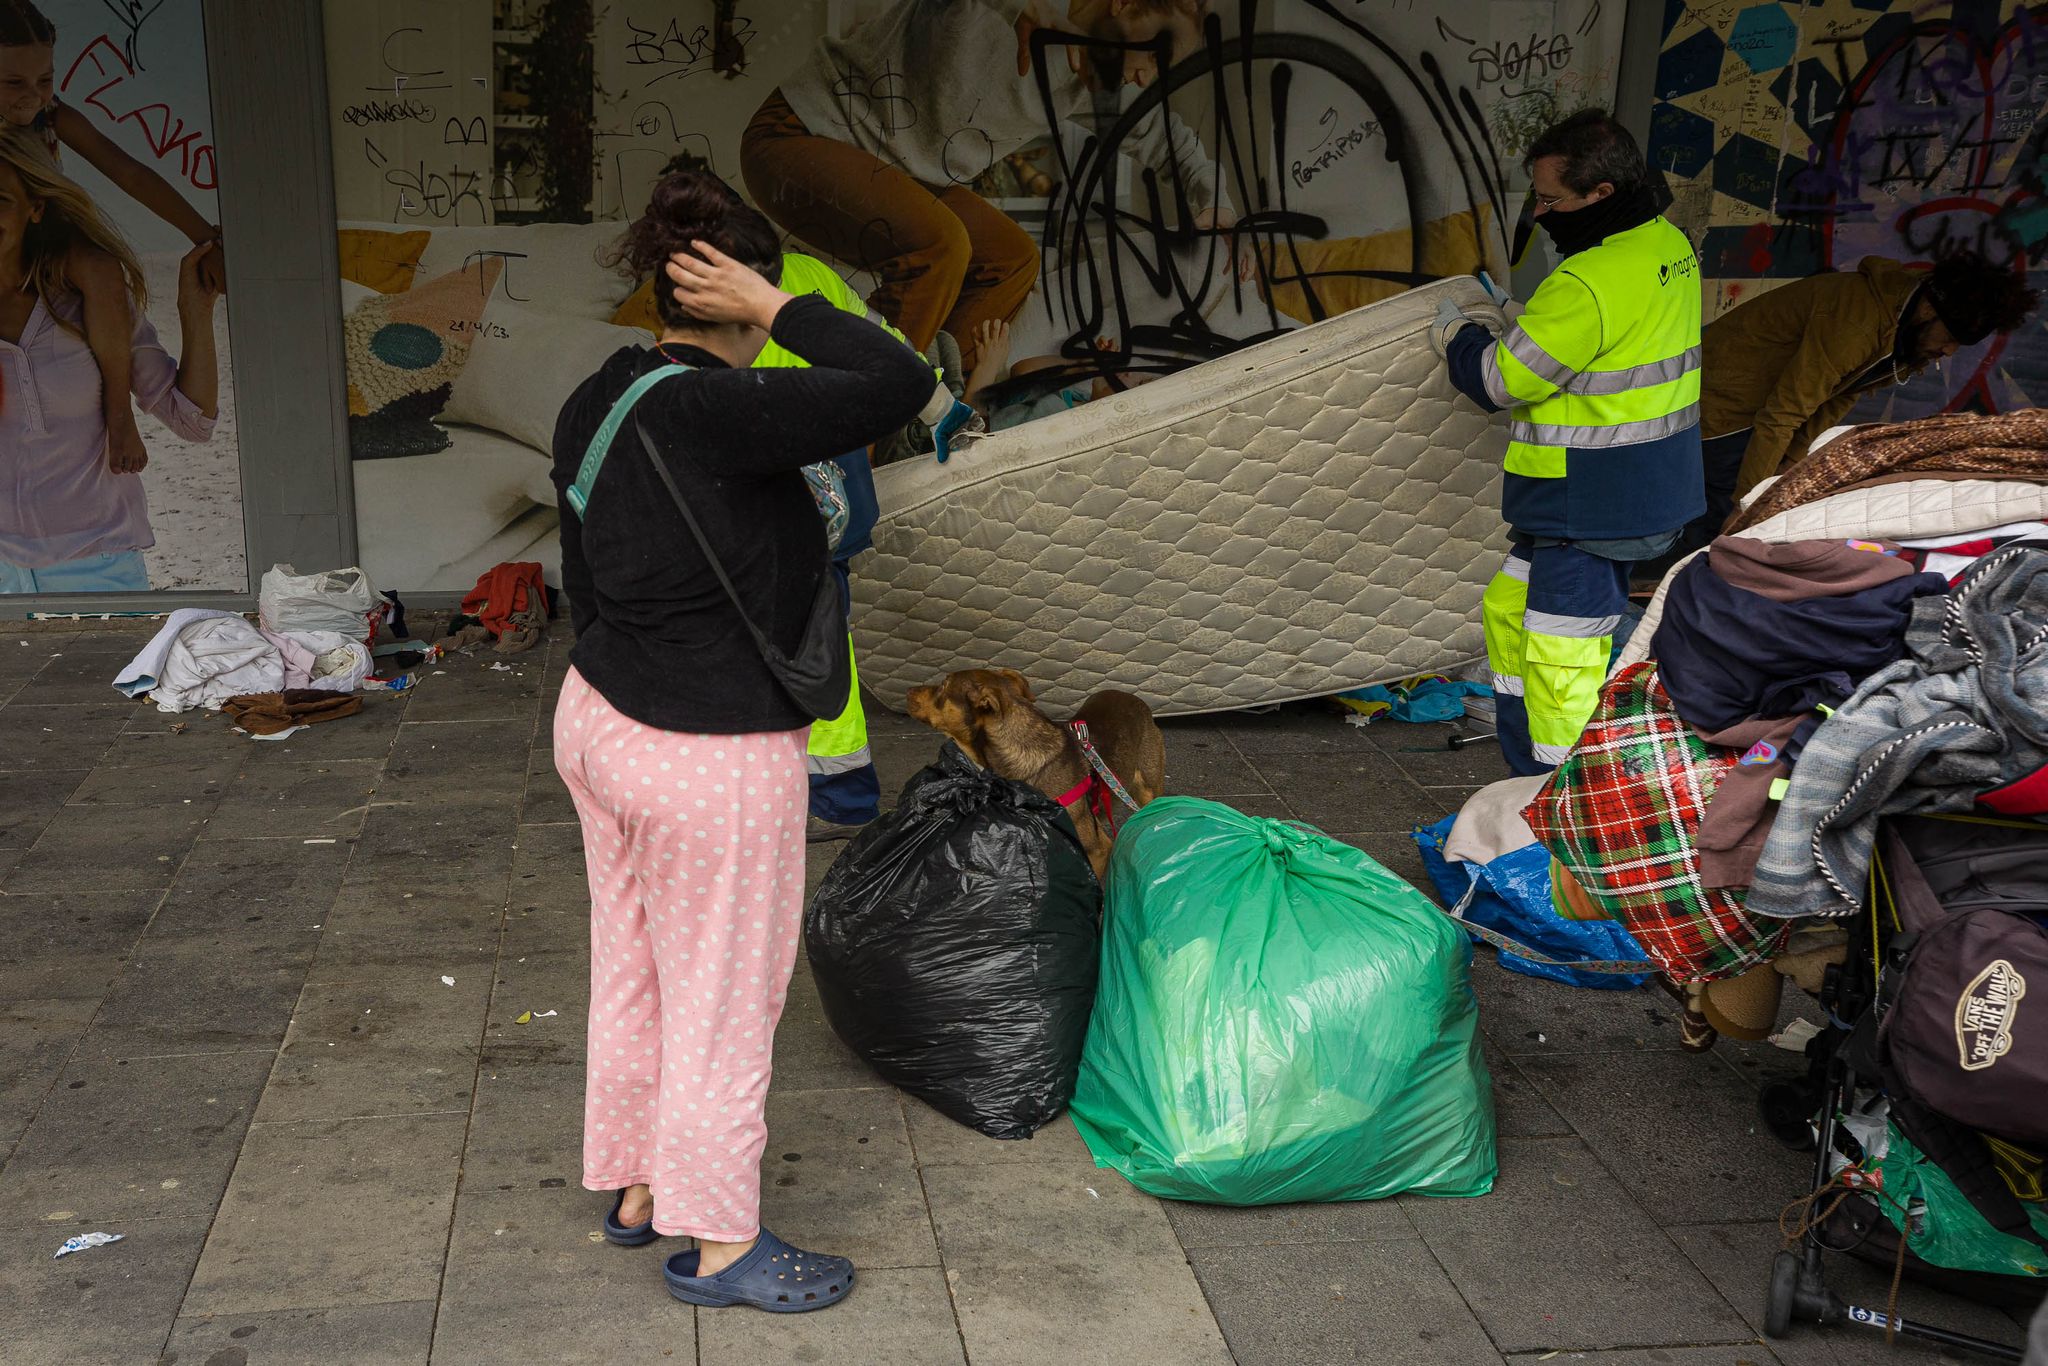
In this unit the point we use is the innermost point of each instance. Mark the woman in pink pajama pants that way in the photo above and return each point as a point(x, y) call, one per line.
point(683, 753)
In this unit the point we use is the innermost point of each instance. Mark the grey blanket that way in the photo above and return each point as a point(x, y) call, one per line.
point(1964, 712)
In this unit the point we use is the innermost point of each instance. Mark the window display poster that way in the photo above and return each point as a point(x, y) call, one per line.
point(116, 394)
point(1083, 195)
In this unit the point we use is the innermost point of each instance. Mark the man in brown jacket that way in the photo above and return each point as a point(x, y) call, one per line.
point(1782, 367)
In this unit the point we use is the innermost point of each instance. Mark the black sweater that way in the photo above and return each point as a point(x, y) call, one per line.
point(655, 634)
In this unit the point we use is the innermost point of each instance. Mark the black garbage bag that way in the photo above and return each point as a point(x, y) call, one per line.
point(954, 945)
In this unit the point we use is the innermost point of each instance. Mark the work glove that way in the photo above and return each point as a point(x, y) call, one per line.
point(1502, 300)
point(1450, 320)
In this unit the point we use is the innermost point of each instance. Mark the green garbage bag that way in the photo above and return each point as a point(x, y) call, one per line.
point(1941, 1226)
point(1278, 1018)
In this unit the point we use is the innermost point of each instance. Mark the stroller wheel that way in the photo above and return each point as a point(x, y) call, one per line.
point(1787, 1110)
point(1778, 1301)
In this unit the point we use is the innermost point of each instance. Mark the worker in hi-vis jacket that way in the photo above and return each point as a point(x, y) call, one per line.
point(1600, 374)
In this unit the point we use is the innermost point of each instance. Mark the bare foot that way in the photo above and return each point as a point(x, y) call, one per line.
point(638, 1207)
point(713, 1258)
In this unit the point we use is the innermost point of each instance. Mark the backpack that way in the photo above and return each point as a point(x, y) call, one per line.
point(1961, 1049)
point(1965, 1030)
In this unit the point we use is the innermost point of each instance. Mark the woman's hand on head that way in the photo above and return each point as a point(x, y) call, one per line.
point(718, 289)
point(199, 278)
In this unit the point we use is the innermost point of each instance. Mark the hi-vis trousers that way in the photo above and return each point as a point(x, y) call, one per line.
point(1550, 614)
point(845, 789)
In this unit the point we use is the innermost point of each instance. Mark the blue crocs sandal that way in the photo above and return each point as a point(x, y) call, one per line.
point(627, 1235)
point(773, 1276)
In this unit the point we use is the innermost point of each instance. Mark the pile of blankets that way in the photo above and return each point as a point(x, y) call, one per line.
point(1758, 643)
point(1960, 720)
point(203, 657)
point(1801, 692)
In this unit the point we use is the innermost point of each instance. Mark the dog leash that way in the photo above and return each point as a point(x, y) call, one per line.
point(1102, 778)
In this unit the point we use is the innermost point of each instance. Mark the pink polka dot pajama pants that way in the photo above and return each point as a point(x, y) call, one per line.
point(695, 847)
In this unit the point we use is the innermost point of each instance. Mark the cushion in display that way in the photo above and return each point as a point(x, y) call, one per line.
point(554, 266)
point(383, 261)
point(639, 310)
point(403, 353)
point(523, 366)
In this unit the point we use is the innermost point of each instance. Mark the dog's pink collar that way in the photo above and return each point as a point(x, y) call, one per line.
point(1100, 779)
point(1076, 792)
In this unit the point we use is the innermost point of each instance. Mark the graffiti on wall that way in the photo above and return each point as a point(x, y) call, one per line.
point(103, 78)
point(1323, 154)
point(1117, 246)
point(1077, 211)
point(1805, 138)
point(415, 123)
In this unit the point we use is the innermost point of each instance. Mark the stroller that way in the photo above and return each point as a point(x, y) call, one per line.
point(1929, 1055)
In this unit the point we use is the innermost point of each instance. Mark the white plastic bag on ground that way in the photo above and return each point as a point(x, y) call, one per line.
point(339, 600)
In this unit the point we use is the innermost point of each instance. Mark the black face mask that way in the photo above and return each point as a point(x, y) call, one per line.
point(1574, 230)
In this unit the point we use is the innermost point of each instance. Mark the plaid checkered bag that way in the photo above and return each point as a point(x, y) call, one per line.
point(1622, 813)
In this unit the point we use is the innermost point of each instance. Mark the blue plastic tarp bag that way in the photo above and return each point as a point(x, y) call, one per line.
point(1510, 896)
point(1278, 1019)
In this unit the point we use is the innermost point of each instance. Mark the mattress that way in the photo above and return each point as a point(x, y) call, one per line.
point(1314, 513)
point(1914, 509)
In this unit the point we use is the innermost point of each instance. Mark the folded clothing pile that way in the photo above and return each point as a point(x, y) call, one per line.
point(1759, 643)
point(1959, 722)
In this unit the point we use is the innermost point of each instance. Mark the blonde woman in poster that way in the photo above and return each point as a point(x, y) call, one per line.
point(866, 153)
point(68, 522)
point(28, 99)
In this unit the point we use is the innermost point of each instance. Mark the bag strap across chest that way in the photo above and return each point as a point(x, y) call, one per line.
point(578, 493)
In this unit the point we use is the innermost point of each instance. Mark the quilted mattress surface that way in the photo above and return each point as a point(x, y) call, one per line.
point(1315, 513)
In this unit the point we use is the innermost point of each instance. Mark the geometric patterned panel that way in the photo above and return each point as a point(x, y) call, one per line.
point(1317, 512)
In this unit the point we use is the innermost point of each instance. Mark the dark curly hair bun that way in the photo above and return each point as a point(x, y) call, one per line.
point(1975, 298)
point(695, 206)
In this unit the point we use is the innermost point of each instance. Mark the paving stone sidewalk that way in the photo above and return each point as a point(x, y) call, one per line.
point(225, 1033)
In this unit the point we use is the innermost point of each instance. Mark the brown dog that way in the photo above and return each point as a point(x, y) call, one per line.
point(992, 716)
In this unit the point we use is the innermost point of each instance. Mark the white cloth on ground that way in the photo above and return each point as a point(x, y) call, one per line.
point(146, 669)
point(212, 660)
point(323, 660)
point(1490, 823)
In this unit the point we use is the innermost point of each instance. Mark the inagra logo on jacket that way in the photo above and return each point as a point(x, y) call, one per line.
point(1985, 1013)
